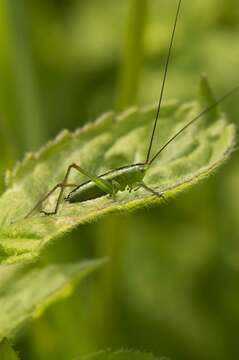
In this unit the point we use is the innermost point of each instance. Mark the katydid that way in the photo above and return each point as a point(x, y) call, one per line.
point(130, 177)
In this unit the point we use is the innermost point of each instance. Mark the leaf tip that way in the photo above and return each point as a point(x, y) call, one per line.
point(206, 97)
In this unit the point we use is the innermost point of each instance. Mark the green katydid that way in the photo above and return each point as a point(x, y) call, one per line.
point(129, 177)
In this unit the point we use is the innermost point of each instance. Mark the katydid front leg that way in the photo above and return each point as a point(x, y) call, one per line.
point(152, 191)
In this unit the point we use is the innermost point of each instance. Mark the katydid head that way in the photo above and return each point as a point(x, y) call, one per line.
point(140, 172)
point(142, 169)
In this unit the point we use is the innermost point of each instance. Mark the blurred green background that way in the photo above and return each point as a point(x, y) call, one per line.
point(172, 284)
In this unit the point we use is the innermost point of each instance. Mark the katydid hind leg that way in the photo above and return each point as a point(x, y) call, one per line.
point(45, 197)
point(102, 184)
point(64, 184)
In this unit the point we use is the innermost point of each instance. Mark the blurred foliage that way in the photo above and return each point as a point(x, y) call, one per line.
point(6, 352)
point(30, 292)
point(172, 286)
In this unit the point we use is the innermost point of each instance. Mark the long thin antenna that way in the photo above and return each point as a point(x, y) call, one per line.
point(164, 81)
point(204, 112)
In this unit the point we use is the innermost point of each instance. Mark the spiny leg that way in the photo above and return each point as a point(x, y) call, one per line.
point(64, 183)
point(62, 186)
point(152, 191)
point(46, 197)
point(99, 182)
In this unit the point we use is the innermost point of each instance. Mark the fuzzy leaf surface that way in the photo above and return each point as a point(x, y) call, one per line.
point(30, 294)
point(108, 143)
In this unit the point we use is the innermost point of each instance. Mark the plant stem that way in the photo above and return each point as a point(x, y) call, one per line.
point(30, 122)
point(132, 55)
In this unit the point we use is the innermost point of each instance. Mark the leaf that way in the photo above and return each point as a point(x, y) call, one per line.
point(30, 294)
point(6, 351)
point(118, 355)
point(110, 142)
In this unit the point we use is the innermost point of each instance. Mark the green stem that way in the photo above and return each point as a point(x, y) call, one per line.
point(27, 95)
point(132, 55)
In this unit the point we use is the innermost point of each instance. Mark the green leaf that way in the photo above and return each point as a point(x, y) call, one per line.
point(118, 355)
point(110, 142)
point(6, 351)
point(30, 294)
